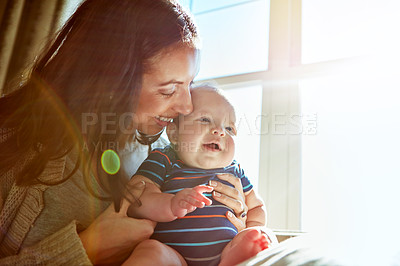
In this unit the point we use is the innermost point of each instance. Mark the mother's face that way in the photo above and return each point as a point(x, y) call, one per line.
point(166, 89)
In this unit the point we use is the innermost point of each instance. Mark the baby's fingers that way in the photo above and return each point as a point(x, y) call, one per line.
point(189, 207)
point(199, 195)
point(197, 200)
point(203, 188)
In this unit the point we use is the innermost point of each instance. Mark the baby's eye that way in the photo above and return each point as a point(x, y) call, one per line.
point(231, 130)
point(204, 120)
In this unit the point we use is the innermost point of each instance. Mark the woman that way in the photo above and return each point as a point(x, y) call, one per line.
point(114, 76)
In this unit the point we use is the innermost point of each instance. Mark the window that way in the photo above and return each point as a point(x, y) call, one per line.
point(328, 86)
point(342, 28)
point(348, 166)
point(234, 36)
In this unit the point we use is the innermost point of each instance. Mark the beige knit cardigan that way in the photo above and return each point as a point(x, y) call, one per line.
point(39, 224)
point(21, 207)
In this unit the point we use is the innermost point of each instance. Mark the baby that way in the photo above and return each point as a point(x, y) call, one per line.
point(177, 194)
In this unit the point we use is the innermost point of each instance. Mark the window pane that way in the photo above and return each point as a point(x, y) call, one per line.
point(234, 38)
point(200, 6)
point(247, 103)
point(350, 173)
point(186, 3)
point(345, 28)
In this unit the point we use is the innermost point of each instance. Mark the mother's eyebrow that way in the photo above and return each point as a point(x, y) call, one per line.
point(173, 81)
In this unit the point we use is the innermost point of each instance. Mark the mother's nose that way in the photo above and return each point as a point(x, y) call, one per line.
point(183, 103)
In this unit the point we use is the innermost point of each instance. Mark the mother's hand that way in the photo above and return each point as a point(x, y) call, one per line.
point(233, 197)
point(113, 235)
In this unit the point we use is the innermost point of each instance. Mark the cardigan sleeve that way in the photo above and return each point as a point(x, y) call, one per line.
point(61, 248)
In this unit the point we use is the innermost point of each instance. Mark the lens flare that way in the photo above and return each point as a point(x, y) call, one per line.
point(110, 162)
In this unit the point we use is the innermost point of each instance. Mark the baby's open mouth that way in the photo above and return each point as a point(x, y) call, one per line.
point(212, 146)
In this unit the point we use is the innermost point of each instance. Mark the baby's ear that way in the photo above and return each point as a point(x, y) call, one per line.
point(172, 132)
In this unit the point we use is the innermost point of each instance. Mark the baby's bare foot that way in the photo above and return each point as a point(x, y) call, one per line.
point(244, 246)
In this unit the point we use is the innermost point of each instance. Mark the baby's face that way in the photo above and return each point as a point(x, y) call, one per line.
point(205, 138)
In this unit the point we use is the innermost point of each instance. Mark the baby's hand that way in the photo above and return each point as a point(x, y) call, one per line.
point(188, 199)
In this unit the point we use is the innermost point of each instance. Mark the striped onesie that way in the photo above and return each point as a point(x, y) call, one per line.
point(201, 235)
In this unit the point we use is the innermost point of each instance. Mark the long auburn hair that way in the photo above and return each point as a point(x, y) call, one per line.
point(93, 66)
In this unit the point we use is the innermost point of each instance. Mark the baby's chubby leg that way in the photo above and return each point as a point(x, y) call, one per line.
point(153, 252)
point(243, 246)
